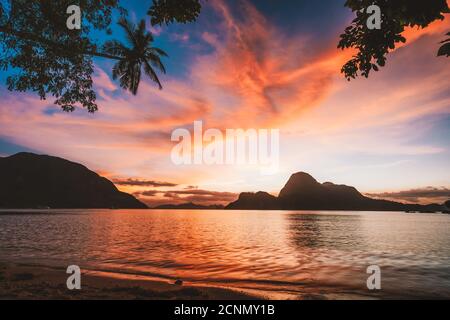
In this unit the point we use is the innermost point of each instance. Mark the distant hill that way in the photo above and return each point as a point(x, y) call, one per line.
point(39, 181)
point(303, 192)
point(255, 201)
point(188, 205)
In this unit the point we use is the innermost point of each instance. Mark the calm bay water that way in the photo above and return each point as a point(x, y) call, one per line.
point(295, 255)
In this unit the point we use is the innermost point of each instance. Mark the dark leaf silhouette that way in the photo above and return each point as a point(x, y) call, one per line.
point(373, 45)
point(445, 49)
point(169, 11)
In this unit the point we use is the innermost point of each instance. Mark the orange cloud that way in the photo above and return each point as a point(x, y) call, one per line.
point(261, 73)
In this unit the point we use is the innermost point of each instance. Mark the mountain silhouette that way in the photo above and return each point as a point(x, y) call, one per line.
point(303, 192)
point(39, 181)
point(255, 201)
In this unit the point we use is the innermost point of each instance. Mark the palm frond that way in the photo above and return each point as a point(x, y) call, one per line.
point(114, 47)
point(152, 74)
point(155, 61)
point(139, 54)
point(129, 28)
point(158, 51)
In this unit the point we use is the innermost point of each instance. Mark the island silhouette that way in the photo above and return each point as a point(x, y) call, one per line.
point(36, 181)
point(39, 181)
point(303, 192)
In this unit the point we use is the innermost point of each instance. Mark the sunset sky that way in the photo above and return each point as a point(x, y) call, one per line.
point(257, 64)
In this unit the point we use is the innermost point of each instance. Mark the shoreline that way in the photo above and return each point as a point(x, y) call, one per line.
point(34, 282)
point(40, 210)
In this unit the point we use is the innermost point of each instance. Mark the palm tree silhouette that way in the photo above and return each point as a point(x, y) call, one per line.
point(140, 54)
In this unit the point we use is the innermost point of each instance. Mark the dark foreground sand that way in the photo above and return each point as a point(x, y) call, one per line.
point(21, 281)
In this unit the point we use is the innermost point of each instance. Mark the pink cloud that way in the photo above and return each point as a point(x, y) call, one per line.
point(155, 30)
point(181, 37)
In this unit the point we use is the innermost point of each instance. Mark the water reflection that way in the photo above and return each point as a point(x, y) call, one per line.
point(283, 254)
point(304, 230)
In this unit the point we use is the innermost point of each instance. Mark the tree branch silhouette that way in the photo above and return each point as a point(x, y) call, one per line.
point(43, 56)
point(373, 46)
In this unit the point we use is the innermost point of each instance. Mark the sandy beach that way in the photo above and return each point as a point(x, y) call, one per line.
point(22, 281)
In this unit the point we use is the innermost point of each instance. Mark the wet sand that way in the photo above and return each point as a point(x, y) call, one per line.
point(21, 281)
